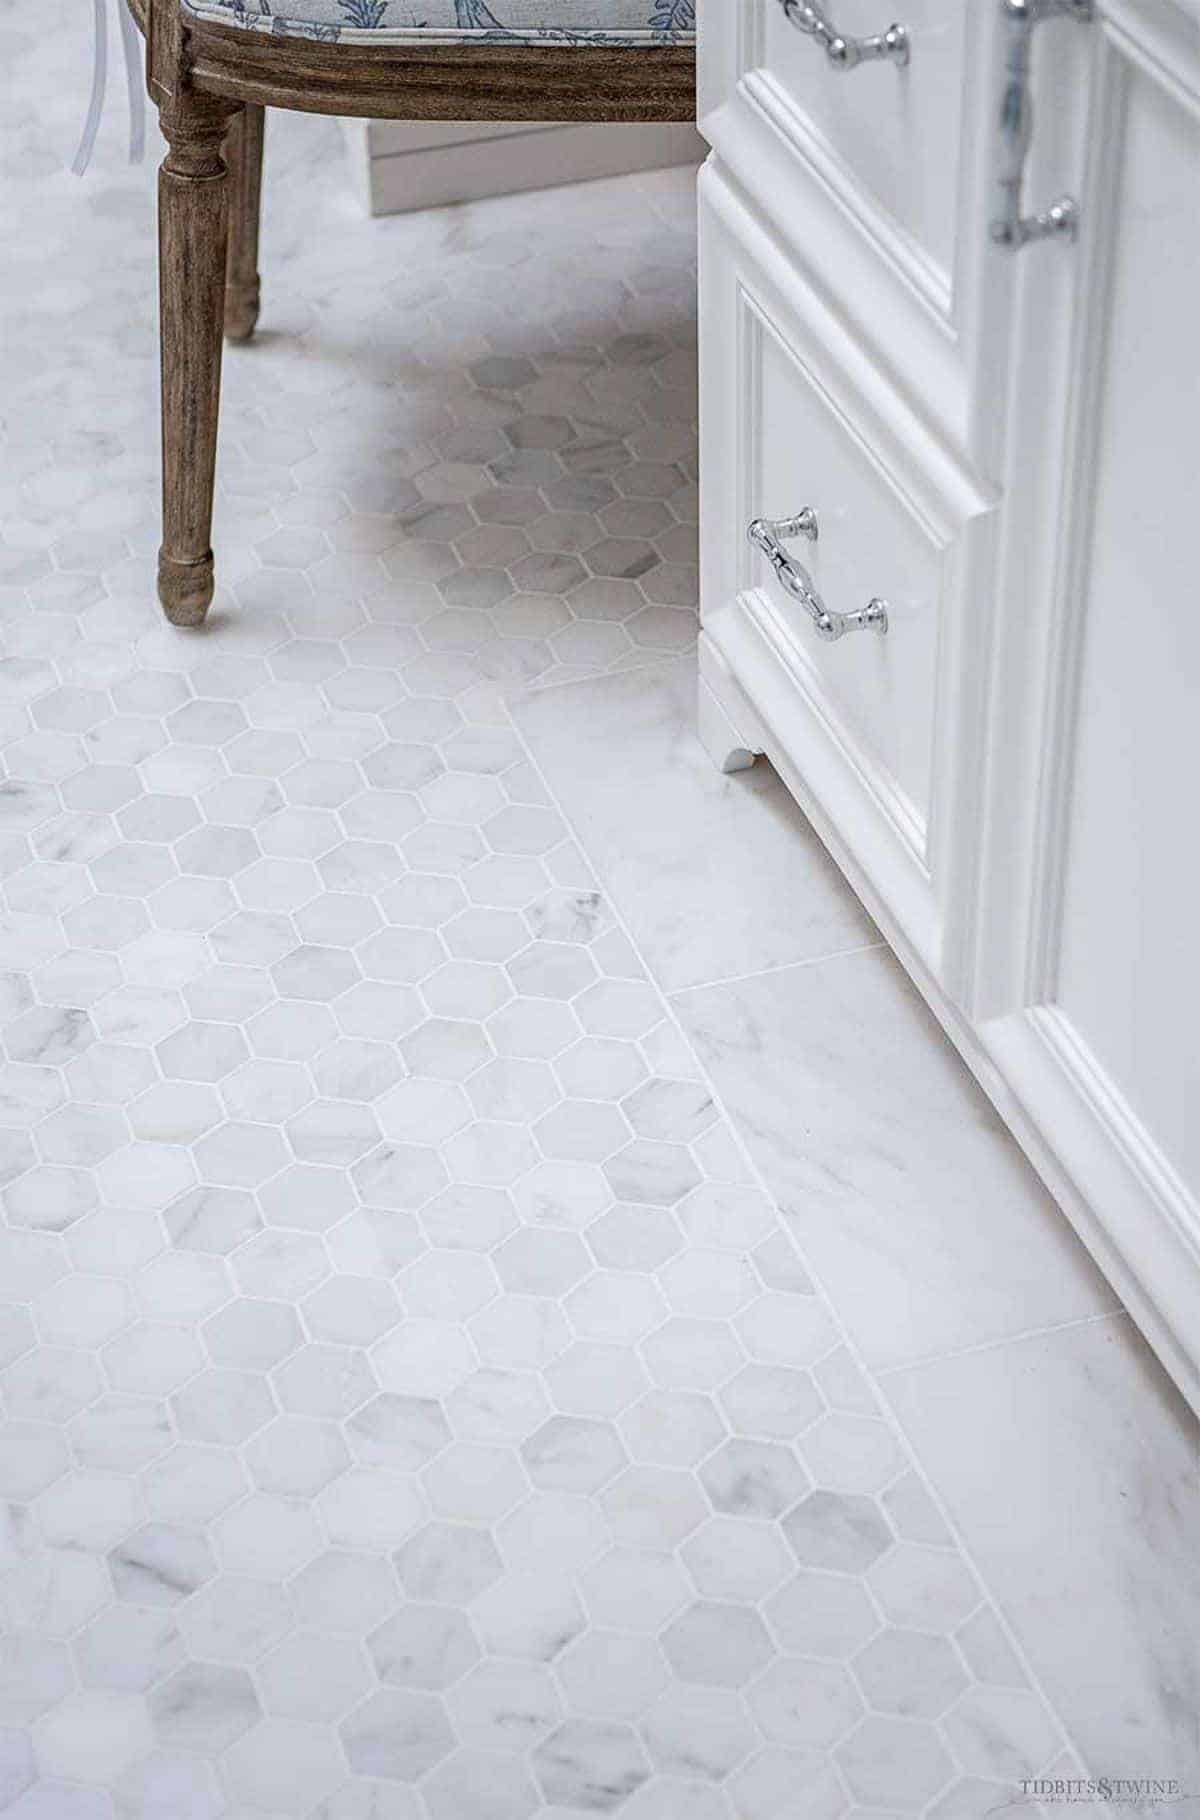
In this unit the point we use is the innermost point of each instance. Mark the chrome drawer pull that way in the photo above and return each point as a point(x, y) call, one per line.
point(768, 535)
point(1011, 229)
point(848, 53)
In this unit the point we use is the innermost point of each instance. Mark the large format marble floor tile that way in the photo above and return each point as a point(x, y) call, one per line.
point(717, 876)
point(1072, 1470)
point(923, 1220)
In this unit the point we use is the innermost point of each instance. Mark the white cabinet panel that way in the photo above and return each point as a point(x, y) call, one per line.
point(1099, 1036)
point(1128, 958)
point(792, 419)
point(873, 176)
point(879, 692)
point(895, 133)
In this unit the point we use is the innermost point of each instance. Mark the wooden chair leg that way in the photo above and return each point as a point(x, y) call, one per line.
point(193, 222)
point(244, 156)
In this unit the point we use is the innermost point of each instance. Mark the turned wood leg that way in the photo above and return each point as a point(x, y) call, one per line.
point(244, 156)
point(193, 221)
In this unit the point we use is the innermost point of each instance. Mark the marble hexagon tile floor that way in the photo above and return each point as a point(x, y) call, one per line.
point(413, 1407)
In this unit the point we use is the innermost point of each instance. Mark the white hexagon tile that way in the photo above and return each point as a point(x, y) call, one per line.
point(413, 1408)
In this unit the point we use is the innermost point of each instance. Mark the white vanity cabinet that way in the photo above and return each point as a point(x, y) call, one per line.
point(967, 630)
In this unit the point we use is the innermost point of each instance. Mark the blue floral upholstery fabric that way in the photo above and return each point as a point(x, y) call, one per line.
point(418, 22)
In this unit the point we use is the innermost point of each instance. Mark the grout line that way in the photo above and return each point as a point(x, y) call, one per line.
point(757, 973)
point(887, 1410)
point(654, 660)
point(1116, 1313)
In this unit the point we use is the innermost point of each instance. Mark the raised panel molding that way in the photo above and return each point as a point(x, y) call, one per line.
point(1073, 468)
point(754, 300)
point(907, 813)
point(930, 282)
point(925, 321)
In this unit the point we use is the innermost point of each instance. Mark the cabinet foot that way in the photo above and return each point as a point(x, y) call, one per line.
point(725, 729)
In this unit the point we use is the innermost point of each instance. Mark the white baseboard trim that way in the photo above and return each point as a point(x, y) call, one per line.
point(402, 166)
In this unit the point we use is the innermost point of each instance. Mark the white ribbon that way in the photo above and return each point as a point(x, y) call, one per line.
point(130, 45)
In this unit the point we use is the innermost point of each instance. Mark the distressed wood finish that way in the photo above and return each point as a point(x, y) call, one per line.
point(193, 221)
point(211, 84)
point(244, 157)
point(447, 82)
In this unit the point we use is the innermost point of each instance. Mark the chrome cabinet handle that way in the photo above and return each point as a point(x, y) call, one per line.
point(848, 53)
point(1011, 229)
point(768, 536)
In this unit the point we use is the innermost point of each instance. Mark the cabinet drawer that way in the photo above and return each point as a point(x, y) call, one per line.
point(872, 175)
point(895, 132)
point(794, 416)
point(888, 137)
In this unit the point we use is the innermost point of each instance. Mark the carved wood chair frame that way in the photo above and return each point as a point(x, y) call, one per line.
point(211, 85)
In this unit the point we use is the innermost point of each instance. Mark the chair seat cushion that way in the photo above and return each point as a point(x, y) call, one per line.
point(422, 22)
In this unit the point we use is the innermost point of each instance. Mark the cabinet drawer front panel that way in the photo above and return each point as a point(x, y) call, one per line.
point(894, 131)
point(794, 416)
point(800, 448)
point(874, 179)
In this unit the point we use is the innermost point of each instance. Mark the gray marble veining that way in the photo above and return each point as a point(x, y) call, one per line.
point(678, 869)
point(926, 1225)
point(1081, 1498)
